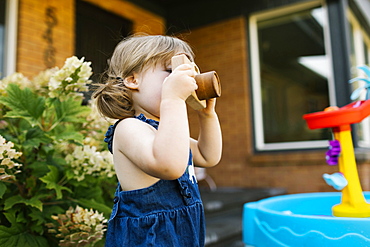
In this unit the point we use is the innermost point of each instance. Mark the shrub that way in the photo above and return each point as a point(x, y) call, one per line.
point(52, 160)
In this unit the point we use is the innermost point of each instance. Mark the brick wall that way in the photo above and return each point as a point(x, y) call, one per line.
point(223, 47)
point(33, 25)
point(32, 28)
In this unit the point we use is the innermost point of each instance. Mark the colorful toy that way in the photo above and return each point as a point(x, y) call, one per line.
point(339, 120)
point(320, 219)
point(353, 203)
point(357, 92)
point(337, 180)
point(332, 155)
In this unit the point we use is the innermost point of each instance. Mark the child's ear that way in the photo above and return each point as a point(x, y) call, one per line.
point(131, 82)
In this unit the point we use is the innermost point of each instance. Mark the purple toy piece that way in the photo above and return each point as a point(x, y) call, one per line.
point(333, 153)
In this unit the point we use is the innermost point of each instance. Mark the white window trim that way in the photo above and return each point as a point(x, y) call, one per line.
point(10, 41)
point(256, 80)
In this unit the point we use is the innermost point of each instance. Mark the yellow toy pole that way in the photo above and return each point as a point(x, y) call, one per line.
point(353, 203)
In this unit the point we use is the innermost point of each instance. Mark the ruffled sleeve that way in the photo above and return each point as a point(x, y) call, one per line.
point(149, 121)
point(109, 136)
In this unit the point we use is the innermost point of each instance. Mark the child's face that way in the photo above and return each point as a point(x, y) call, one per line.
point(148, 96)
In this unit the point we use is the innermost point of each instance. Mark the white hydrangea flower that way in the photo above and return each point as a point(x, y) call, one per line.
point(85, 71)
point(71, 79)
point(73, 63)
point(42, 80)
point(16, 78)
point(78, 227)
point(8, 168)
point(87, 161)
point(94, 126)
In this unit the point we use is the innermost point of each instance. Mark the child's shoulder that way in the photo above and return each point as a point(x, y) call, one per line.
point(132, 130)
point(129, 122)
point(131, 125)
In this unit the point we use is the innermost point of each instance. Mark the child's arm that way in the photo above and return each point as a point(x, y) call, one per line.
point(164, 153)
point(208, 148)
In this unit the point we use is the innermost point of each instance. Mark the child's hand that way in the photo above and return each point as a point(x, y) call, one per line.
point(210, 108)
point(180, 83)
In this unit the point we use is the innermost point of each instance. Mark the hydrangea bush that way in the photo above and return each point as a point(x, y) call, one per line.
point(56, 177)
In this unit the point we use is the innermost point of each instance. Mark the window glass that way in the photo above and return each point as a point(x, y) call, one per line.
point(292, 78)
point(2, 36)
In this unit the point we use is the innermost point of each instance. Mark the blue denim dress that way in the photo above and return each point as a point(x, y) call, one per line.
point(168, 213)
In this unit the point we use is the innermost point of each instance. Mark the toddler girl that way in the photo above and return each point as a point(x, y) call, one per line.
point(157, 202)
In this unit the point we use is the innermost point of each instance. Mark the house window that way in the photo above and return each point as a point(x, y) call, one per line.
point(360, 55)
point(8, 36)
point(291, 76)
point(97, 34)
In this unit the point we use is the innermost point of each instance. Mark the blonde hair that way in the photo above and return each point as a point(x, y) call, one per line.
point(133, 55)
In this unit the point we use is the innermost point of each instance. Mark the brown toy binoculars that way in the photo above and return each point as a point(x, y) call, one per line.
point(208, 84)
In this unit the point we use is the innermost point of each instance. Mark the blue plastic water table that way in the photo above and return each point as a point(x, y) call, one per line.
point(302, 220)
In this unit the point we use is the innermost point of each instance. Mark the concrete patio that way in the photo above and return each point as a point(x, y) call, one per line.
point(224, 208)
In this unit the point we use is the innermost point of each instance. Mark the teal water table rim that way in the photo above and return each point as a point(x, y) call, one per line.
point(302, 220)
point(304, 205)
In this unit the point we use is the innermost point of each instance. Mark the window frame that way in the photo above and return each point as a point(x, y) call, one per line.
point(260, 145)
point(10, 37)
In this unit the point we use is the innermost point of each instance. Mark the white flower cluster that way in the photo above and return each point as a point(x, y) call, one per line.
point(87, 161)
point(79, 227)
point(94, 126)
point(8, 168)
point(16, 78)
point(97, 119)
point(70, 79)
point(41, 81)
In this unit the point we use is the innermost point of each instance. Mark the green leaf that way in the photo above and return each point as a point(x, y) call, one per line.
point(39, 168)
point(51, 180)
point(17, 236)
point(91, 203)
point(22, 217)
point(72, 135)
point(23, 104)
point(33, 202)
point(37, 216)
point(50, 210)
point(35, 137)
point(10, 216)
point(71, 110)
point(95, 192)
point(2, 189)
